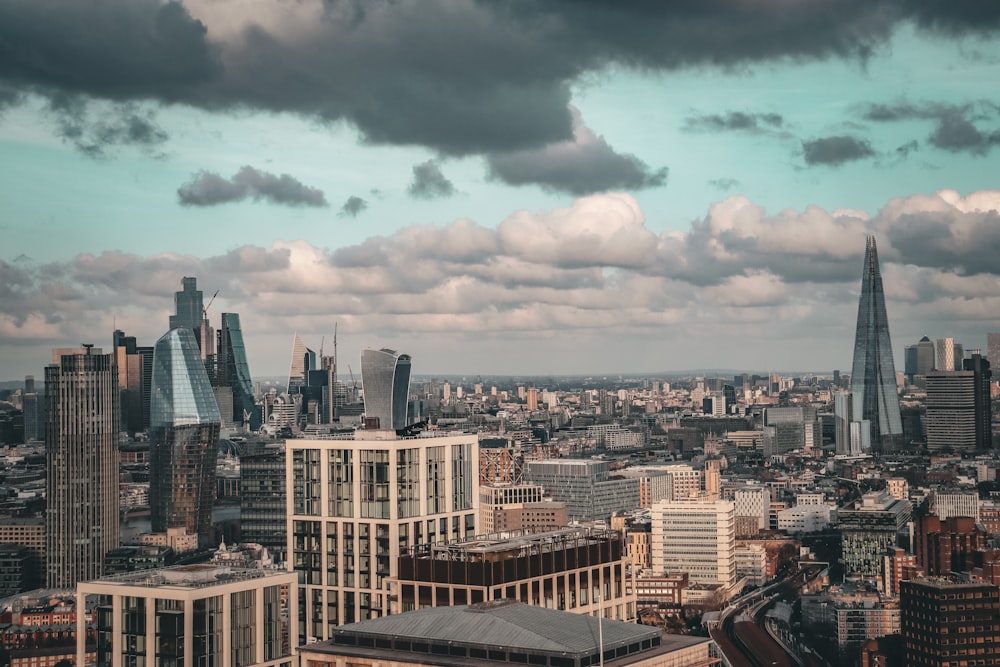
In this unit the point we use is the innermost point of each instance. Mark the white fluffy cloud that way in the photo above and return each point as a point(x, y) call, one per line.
point(584, 288)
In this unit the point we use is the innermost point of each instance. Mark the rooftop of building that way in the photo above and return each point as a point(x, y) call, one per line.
point(497, 629)
point(519, 541)
point(950, 583)
point(189, 576)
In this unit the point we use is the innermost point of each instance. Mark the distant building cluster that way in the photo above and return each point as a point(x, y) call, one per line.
point(175, 508)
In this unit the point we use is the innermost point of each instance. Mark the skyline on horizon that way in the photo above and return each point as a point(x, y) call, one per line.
point(500, 189)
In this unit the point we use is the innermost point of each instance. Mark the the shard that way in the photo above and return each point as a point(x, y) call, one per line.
point(873, 375)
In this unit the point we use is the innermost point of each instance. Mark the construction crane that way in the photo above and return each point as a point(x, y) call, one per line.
point(204, 310)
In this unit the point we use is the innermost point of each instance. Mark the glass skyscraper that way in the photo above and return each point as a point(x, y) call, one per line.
point(873, 375)
point(385, 377)
point(303, 361)
point(234, 371)
point(184, 437)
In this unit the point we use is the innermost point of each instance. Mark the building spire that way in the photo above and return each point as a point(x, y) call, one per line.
point(873, 376)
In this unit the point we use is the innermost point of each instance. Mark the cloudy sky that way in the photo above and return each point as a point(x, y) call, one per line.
point(569, 186)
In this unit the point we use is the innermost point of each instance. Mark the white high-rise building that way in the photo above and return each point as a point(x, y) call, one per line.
point(355, 504)
point(697, 537)
point(944, 354)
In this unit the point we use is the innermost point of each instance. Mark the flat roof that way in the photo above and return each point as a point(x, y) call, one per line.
point(190, 576)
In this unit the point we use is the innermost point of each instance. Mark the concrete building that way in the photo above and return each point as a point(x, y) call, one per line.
point(805, 518)
point(354, 505)
point(585, 486)
point(946, 546)
point(192, 615)
point(867, 619)
point(947, 622)
point(581, 570)
point(953, 421)
point(502, 633)
point(947, 504)
point(752, 506)
point(697, 537)
point(81, 464)
point(868, 530)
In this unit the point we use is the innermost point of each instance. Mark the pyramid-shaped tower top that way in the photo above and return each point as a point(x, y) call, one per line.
point(873, 374)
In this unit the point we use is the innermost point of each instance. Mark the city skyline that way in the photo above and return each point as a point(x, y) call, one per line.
point(494, 188)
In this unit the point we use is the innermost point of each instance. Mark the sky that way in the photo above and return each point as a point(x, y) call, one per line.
point(504, 187)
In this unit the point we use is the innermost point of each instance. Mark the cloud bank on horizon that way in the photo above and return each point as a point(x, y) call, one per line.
point(501, 197)
point(540, 278)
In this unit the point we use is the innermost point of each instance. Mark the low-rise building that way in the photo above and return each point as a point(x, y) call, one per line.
point(219, 615)
point(501, 633)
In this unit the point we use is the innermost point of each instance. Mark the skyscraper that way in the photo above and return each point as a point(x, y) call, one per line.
point(959, 412)
point(184, 435)
point(873, 375)
point(81, 464)
point(385, 377)
point(303, 361)
point(993, 349)
point(190, 313)
point(233, 370)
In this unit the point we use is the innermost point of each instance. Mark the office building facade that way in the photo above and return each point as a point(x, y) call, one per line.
point(580, 570)
point(697, 537)
point(354, 505)
point(959, 408)
point(191, 615)
point(946, 622)
point(184, 434)
point(585, 486)
point(81, 464)
point(263, 500)
point(385, 378)
point(873, 374)
point(868, 530)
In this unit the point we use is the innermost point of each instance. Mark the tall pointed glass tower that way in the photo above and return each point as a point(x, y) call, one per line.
point(184, 435)
point(873, 375)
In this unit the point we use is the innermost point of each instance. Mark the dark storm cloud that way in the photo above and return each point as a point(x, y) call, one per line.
point(584, 165)
point(210, 189)
point(353, 206)
point(955, 129)
point(837, 150)
point(957, 134)
point(736, 121)
point(98, 134)
point(79, 47)
point(954, 16)
point(460, 78)
point(968, 243)
point(429, 182)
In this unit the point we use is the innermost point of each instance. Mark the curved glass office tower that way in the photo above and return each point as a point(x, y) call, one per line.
point(873, 375)
point(385, 377)
point(234, 371)
point(184, 431)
